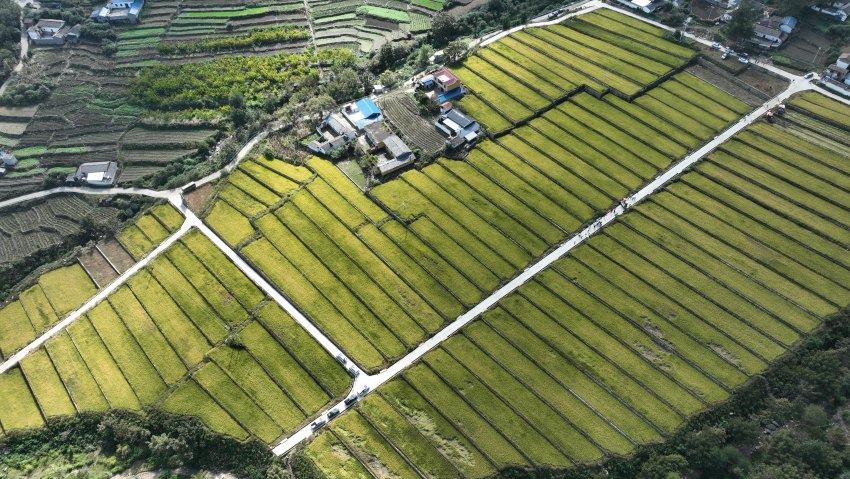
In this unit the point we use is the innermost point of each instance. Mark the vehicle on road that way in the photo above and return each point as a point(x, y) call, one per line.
point(809, 75)
point(364, 391)
point(716, 46)
point(318, 423)
point(333, 413)
point(351, 400)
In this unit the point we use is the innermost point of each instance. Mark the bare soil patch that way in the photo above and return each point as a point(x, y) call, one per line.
point(117, 255)
point(98, 267)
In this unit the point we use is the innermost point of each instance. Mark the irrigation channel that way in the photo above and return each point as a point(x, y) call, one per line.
point(365, 382)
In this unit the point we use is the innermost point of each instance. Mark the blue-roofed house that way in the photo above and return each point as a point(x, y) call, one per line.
point(119, 11)
point(363, 112)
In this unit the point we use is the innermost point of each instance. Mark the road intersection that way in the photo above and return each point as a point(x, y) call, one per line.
point(366, 383)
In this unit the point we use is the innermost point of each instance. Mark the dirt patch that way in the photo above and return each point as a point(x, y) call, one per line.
point(198, 199)
point(807, 48)
point(98, 267)
point(706, 11)
point(729, 83)
point(766, 83)
point(117, 255)
point(382, 24)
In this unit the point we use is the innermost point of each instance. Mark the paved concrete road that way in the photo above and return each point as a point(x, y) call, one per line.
point(376, 380)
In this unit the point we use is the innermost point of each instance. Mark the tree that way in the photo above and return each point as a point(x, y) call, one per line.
point(169, 451)
point(663, 467)
point(443, 28)
point(345, 86)
point(742, 27)
point(423, 57)
point(455, 51)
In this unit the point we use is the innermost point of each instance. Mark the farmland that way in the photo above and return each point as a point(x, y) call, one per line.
point(519, 76)
point(62, 290)
point(162, 338)
point(37, 226)
point(662, 314)
point(467, 225)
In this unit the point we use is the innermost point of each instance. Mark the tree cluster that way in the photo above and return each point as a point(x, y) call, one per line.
point(10, 34)
point(257, 37)
point(154, 437)
point(21, 93)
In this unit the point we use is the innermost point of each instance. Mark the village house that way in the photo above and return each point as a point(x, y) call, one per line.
point(398, 155)
point(119, 11)
point(334, 133)
point(361, 113)
point(771, 32)
point(375, 134)
point(838, 10)
point(836, 77)
point(8, 160)
point(646, 6)
point(458, 128)
point(53, 32)
point(99, 174)
point(442, 86)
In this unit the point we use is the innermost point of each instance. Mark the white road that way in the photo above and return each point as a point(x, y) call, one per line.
point(376, 380)
point(100, 296)
point(363, 381)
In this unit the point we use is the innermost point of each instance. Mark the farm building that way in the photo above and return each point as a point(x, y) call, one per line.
point(398, 155)
point(100, 174)
point(375, 134)
point(646, 6)
point(837, 76)
point(442, 86)
point(53, 32)
point(771, 32)
point(335, 133)
point(7, 158)
point(459, 128)
point(362, 113)
point(119, 11)
point(838, 10)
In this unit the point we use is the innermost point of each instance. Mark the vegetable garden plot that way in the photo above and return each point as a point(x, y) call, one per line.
point(129, 351)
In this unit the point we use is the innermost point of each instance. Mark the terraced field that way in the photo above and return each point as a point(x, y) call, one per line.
point(63, 290)
point(163, 338)
point(520, 76)
point(366, 25)
point(660, 315)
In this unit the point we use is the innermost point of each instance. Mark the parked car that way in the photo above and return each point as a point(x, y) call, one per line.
point(350, 400)
point(318, 423)
point(743, 59)
point(809, 75)
point(333, 413)
point(364, 391)
point(715, 46)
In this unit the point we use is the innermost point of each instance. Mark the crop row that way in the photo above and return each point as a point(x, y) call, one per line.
point(476, 221)
point(172, 320)
point(659, 316)
point(524, 73)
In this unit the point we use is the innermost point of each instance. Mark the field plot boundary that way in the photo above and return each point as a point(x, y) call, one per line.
point(101, 295)
point(373, 381)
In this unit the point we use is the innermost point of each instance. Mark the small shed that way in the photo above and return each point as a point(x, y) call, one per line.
point(7, 158)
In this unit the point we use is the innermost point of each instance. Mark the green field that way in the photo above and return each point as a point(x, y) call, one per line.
point(161, 339)
point(660, 315)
